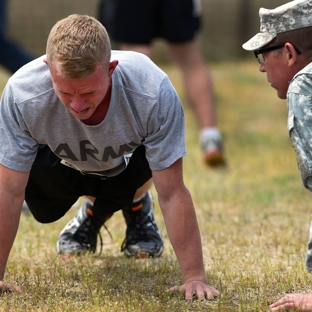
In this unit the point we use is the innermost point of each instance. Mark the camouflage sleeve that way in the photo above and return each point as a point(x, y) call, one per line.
point(306, 173)
point(300, 131)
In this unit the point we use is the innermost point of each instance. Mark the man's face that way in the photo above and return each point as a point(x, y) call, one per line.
point(83, 96)
point(279, 73)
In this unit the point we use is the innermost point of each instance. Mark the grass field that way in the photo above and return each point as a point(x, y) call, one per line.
point(254, 219)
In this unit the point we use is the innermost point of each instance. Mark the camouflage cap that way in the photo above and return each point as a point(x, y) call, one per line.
point(292, 15)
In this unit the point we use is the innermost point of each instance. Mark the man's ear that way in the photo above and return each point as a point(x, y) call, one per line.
point(112, 66)
point(46, 61)
point(291, 54)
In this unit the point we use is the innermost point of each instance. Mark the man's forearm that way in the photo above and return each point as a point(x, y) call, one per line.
point(9, 220)
point(183, 231)
point(12, 193)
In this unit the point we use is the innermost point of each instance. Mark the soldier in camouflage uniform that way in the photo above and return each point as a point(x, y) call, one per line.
point(283, 48)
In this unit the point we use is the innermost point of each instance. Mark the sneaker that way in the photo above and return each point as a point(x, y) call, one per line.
point(213, 153)
point(143, 238)
point(80, 234)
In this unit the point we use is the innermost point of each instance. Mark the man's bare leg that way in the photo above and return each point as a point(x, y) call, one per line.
point(200, 93)
point(141, 48)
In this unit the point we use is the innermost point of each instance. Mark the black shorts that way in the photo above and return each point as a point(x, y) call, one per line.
point(53, 188)
point(140, 21)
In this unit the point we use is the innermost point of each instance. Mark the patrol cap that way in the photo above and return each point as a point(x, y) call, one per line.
point(292, 15)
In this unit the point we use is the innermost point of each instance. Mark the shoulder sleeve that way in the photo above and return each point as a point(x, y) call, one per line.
point(18, 149)
point(299, 102)
point(165, 141)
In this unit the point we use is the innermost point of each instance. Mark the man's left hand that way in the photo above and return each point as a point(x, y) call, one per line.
point(196, 288)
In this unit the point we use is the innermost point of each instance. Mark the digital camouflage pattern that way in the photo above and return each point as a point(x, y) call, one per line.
point(292, 15)
point(299, 101)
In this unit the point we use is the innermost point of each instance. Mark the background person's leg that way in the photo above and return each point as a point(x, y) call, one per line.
point(141, 48)
point(200, 93)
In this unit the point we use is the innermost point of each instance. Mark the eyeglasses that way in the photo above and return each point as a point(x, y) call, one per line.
point(259, 53)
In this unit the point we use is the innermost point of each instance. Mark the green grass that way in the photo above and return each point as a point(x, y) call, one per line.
point(254, 219)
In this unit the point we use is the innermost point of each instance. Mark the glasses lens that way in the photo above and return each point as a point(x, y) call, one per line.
point(261, 58)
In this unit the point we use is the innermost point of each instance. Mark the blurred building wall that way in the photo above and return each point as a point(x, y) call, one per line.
point(226, 24)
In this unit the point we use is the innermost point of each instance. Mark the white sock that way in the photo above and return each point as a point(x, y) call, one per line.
point(209, 133)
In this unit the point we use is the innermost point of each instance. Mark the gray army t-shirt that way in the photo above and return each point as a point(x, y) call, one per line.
point(144, 109)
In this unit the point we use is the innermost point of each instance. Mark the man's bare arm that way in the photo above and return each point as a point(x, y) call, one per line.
point(12, 191)
point(179, 214)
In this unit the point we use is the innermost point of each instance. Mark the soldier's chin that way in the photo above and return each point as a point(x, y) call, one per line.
point(281, 94)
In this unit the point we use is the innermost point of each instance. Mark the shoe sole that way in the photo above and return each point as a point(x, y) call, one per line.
point(70, 252)
point(143, 254)
point(214, 159)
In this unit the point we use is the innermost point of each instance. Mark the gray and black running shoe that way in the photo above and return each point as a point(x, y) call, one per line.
point(143, 238)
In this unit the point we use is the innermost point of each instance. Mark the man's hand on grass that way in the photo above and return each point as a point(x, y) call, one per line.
point(9, 288)
point(298, 302)
point(196, 288)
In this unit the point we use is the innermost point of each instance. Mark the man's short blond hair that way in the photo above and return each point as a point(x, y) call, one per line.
point(77, 45)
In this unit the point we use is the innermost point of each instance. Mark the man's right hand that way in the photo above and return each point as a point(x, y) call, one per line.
point(9, 288)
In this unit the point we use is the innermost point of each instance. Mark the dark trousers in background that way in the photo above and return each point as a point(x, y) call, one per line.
point(12, 55)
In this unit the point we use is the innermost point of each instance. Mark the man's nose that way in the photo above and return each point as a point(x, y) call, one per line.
point(78, 104)
point(262, 68)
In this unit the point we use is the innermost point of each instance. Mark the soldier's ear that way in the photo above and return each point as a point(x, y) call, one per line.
point(112, 67)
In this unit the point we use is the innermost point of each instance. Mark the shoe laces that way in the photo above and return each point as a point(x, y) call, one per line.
point(137, 229)
point(89, 227)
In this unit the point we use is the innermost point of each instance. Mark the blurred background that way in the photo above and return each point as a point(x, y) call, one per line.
point(226, 24)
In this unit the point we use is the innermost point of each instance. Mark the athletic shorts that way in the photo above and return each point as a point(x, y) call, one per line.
point(53, 188)
point(140, 21)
